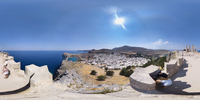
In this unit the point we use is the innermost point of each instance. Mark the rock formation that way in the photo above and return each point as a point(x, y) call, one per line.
point(41, 75)
point(65, 66)
point(68, 55)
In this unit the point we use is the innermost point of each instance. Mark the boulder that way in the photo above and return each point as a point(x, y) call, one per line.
point(104, 85)
point(41, 75)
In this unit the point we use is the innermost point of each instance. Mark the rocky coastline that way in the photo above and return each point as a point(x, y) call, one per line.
point(67, 75)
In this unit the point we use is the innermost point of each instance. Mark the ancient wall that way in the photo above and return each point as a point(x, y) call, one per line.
point(41, 75)
point(141, 78)
point(173, 66)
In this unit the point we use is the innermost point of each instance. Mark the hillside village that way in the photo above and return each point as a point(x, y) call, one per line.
point(115, 61)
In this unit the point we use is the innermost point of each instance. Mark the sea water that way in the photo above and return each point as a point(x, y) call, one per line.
point(52, 59)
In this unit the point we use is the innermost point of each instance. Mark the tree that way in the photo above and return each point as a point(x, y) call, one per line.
point(110, 73)
point(161, 61)
point(93, 72)
point(106, 69)
point(101, 78)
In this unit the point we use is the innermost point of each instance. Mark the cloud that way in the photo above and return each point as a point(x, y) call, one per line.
point(160, 42)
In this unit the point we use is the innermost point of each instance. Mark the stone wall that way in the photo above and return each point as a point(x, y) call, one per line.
point(173, 66)
point(41, 75)
point(141, 78)
point(14, 67)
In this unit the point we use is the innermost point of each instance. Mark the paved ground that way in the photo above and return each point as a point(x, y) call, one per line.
point(12, 83)
point(187, 80)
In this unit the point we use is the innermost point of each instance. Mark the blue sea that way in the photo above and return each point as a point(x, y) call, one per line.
point(52, 59)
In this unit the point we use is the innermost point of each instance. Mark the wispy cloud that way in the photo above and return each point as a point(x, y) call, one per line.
point(160, 42)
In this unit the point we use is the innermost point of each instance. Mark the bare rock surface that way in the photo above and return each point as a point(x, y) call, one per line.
point(41, 75)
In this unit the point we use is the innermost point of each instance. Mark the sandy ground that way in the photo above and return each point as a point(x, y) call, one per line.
point(85, 70)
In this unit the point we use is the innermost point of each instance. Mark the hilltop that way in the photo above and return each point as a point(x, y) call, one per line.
point(130, 50)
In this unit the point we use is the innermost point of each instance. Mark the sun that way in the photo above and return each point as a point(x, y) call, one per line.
point(119, 21)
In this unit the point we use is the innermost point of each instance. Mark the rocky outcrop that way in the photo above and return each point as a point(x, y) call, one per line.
point(80, 57)
point(68, 55)
point(73, 80)
point(65, 66)
point(41, 75)
point(102, 89)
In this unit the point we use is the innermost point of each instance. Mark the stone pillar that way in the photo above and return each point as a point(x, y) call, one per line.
point(189, 49)
point(186, 49)
point(192, 48)
point(195, 49)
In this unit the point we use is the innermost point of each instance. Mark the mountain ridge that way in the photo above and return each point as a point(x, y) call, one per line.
point(130, 49)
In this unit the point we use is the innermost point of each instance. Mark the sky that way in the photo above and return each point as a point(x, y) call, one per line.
point(90, 24)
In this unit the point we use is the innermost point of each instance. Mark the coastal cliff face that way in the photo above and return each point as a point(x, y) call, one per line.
point(79, 56)
point(65, 66)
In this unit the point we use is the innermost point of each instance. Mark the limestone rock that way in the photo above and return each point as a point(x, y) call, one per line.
point(115, 87)
point(104, 85)
point(65, 66)
point(71, 79)
point(68, 55)
point(41, 76)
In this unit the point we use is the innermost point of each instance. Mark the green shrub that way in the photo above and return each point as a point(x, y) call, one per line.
point(128, 73)
point(116, 68)
point(93, 72)
point(101, 78)
point(128, 67)
point(110, 73)
point(123, 71)
point(161, 61)
point(106, 69)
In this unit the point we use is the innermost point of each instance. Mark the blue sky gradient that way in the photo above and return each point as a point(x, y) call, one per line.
point(89, 24)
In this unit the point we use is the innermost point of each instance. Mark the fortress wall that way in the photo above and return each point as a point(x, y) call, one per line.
point(141, 78)
point(15, 67)
point(41, 75)
point(180, 62)
point(140, 84)
point(173, 66)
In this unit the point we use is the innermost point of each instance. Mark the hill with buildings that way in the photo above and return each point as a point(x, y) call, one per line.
point(128, 50)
